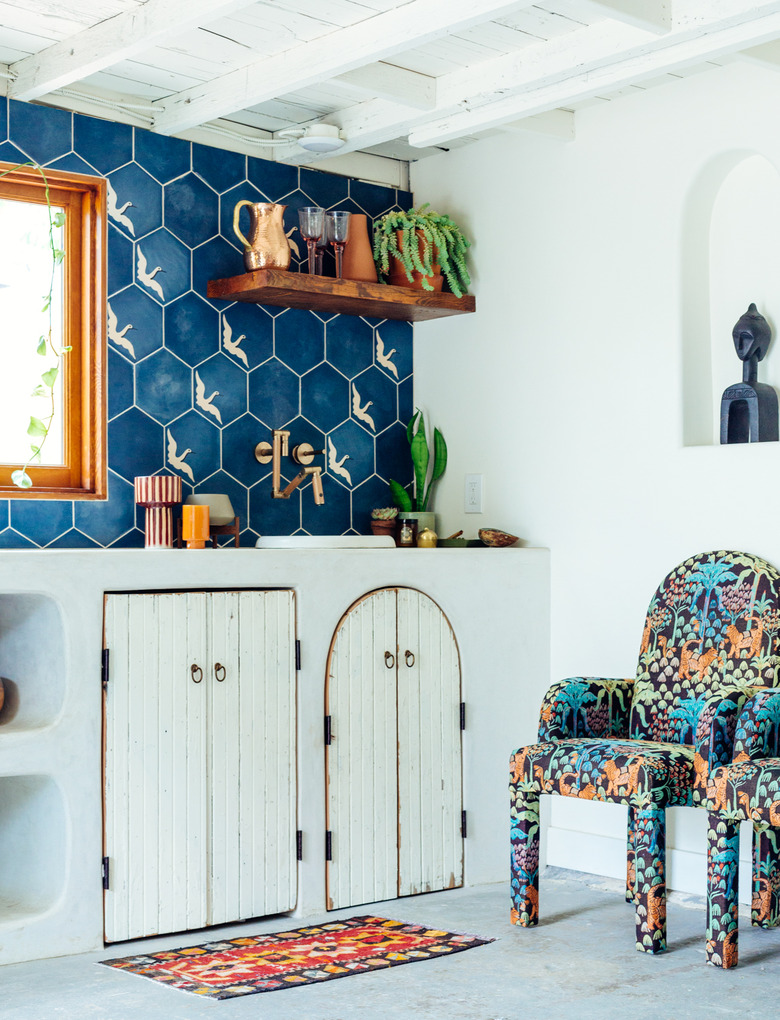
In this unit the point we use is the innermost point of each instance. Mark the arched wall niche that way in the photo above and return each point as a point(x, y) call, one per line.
point(730, 257)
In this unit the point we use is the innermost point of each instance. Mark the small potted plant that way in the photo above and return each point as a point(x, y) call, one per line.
point(383, 520)
point(420, 248)
point(427, 471)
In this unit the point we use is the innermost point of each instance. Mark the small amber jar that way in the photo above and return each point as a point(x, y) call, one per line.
point(406, 532)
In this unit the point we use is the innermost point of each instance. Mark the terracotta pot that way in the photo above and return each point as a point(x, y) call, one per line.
point(358, 262)
point(383, 527)
point(398, 277)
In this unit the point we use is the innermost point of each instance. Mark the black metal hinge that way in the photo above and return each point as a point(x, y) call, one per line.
point(104, 668)
point(328, 732)
point(463, 715)
point(297, 654)
point(463, 824)
point(299, 845)
point(328, 845)
point(105, 872)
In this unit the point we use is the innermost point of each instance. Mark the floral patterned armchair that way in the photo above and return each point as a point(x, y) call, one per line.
point(710, 642)
point(746, 790)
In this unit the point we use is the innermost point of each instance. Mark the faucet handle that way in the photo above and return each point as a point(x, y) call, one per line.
point(316, 485)
point(304, 453)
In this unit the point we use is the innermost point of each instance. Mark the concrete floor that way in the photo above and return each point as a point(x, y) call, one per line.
point(580, 963)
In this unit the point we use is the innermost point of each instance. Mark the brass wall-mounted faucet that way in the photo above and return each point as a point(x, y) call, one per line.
point(303, 454)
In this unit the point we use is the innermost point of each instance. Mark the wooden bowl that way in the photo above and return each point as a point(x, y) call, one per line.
point(496, 539)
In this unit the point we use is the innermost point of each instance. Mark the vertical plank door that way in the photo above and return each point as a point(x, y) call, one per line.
point(252, 754)
point(362, 793)
point(156, 793)
point(430, 851)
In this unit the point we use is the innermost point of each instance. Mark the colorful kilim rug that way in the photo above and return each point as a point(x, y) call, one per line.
point(224, 969)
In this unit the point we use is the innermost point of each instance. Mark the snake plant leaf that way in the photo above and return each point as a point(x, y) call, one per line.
point(439, 455)
point(420, 458)
point(439, 464)
point(401, 497)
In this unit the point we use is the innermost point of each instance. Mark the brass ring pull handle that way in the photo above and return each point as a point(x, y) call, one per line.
point(409, 658)
point(197, 673)
point(217, 667)
point(389, 660)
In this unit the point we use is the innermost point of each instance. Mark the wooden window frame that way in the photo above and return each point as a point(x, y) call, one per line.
point(84, 473)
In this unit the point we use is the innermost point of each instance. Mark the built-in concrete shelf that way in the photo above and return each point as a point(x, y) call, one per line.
point(345, 297)
point(33, 847)
point(32, 661)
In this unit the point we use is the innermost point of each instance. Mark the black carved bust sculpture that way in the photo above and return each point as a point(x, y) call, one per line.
point(748, 410)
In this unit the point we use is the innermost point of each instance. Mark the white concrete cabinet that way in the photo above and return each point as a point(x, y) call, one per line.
point(200, 779)
point(394, 773)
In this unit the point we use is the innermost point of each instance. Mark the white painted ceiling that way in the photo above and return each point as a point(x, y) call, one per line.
point(401, 79)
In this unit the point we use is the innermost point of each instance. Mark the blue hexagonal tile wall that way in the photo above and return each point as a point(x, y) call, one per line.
point(194, 384)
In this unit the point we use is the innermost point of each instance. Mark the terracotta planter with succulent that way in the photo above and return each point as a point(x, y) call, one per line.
point(383, 520)
point(411, 247)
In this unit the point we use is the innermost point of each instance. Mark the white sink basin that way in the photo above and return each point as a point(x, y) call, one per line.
point(325, 542)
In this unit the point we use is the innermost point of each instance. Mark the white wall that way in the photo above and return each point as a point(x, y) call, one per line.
point(595, 363)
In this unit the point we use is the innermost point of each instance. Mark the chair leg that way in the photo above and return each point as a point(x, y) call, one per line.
point(765, 912)
point(650, 846)
point(630, 857)
point(524, 821)
point(722, 891)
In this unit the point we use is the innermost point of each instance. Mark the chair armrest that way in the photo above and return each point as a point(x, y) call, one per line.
point(716, 728)
point(586, 707)
point(757, 727)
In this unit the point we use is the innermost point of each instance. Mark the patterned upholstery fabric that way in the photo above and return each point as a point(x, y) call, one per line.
point(710, 642)
point(748, 790)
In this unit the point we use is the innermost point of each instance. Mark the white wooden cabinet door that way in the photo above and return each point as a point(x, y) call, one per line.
point(430, 795)
point(199, 759)
point(362, 791)
point(394, 774)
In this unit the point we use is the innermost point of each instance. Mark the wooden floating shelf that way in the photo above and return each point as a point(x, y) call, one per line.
point(345, 297)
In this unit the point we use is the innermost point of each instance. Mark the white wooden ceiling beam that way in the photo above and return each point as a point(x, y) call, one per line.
point(375, 121)
point(376, 38)
point(765, 55)
point(651, 15)
point(111, 41)
point(387, 81)
point(597, 73)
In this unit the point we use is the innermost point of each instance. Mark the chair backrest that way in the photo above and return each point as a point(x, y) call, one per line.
point(714, 621)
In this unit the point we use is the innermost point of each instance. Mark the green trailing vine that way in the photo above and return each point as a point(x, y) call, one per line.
point(426, 237)
point(39, 427)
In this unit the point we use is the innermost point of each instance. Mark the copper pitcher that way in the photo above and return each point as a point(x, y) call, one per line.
point(267, 246)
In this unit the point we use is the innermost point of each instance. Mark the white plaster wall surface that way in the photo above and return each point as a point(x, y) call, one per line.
point(496, 600)
point(567, 389)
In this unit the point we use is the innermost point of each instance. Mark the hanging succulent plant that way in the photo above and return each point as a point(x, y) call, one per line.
point(418, 238)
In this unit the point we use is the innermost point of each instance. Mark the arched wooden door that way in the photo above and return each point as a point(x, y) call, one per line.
point(393, 760)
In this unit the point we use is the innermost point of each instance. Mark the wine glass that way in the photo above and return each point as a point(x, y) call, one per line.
point(311, 219)
point(338, 230)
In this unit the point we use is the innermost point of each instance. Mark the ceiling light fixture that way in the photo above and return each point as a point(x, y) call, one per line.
point(321, 138)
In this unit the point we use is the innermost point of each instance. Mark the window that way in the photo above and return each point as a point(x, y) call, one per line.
point(73, 459)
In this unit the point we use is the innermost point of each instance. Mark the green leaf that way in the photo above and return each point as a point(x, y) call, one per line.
point(58, 255)
point(50, 376)
point(64, 350)
point(46, 302)
point(411, 428)
point(36, 428)
point(58, 219)
point(40, 391)
point(439, 464)
point(401, 497)
point(21, 479)
point(420, 457)
point(35, 453)
point(41, 348)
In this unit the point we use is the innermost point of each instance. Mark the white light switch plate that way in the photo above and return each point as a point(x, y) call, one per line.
point(472, 496)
